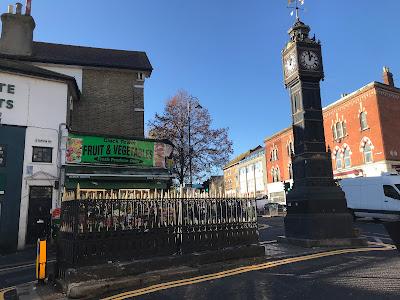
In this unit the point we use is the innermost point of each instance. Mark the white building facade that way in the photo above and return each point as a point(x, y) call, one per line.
point(251, 173)
point(37, 105)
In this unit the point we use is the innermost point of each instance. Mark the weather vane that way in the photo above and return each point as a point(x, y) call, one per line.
point(294, 5)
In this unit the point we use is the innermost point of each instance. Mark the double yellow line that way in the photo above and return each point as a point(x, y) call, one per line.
point(268, 265)
point(5, 290)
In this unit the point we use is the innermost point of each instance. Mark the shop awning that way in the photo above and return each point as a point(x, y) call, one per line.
point(105, 177)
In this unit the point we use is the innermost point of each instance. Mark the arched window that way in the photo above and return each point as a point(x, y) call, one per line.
point(278, 174)
point(346, 158)
point(334, 132)
point(367, 151)
point(290, 149)
point(290, 169)
point(339, 130)
point(344, 129)
point(274, 154)
point(363, 120)
point(338, 158)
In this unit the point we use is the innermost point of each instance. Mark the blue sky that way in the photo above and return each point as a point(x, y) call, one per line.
point(227, 52)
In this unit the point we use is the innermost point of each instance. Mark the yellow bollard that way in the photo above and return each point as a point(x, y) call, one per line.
point(41, 260)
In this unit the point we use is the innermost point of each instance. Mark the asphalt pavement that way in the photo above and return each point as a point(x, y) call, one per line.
point(364, 276)
point(19, 267)
point(361, 275)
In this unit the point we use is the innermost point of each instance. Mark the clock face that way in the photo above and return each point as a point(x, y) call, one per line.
point(309, 60)
point(290, 63)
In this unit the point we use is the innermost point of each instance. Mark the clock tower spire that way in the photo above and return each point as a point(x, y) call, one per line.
point(317, 209)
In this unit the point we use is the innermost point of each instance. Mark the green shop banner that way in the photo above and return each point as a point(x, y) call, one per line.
point(115, 151)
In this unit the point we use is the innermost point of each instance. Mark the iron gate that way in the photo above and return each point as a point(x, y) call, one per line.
point(109, 226)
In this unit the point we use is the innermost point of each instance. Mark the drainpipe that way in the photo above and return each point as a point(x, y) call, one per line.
point(61, 181)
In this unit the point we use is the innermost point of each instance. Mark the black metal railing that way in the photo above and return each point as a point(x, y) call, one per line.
point(120, 228)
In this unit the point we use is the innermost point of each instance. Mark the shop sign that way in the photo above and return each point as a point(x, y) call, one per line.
point(3, 155)
point(14, 97)
point(114, 151)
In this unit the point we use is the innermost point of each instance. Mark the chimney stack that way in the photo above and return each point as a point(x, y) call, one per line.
point(387, 77)
point(18, 8)
point(28, 7)
point(17, 31)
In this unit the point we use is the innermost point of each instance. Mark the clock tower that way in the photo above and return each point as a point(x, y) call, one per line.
point(317, 213)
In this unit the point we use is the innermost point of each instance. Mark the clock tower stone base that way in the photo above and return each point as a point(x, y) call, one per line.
point(318, 216)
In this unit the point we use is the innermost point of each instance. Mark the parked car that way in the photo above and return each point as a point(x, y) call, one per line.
point(375, 197)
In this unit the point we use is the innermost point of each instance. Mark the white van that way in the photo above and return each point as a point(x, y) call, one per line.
point(374, 197)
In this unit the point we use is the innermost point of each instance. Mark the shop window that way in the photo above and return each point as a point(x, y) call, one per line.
point(338, 158)
point(42, 154)
point(363, 120)
point(391, 192)
point(346, 158)
point(367, 151)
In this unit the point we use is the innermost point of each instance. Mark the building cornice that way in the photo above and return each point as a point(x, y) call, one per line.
point(267, 139)
point(362, 90)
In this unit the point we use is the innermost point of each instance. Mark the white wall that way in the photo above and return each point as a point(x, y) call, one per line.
point(74, 71)
point(47, 104)
point(36, 102)
point(41, 106)
point(37, 173)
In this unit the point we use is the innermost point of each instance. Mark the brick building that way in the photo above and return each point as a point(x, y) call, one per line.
point(278, 149)
point(73, 115)
point(245, 175)
point(362, 131)
point(231, 176)
point(111, 81)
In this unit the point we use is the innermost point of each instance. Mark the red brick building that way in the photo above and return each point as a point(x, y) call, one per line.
point(362, 130)
point(278, 149)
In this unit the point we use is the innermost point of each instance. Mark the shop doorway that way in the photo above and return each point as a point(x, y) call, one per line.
point(39, 217)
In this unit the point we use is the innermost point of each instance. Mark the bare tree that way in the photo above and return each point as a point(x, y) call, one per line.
point(198, 148)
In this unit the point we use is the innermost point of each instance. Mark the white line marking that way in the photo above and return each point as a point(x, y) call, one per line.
point(268, 242)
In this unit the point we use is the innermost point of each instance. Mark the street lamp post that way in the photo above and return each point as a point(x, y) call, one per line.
point(189, 105)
